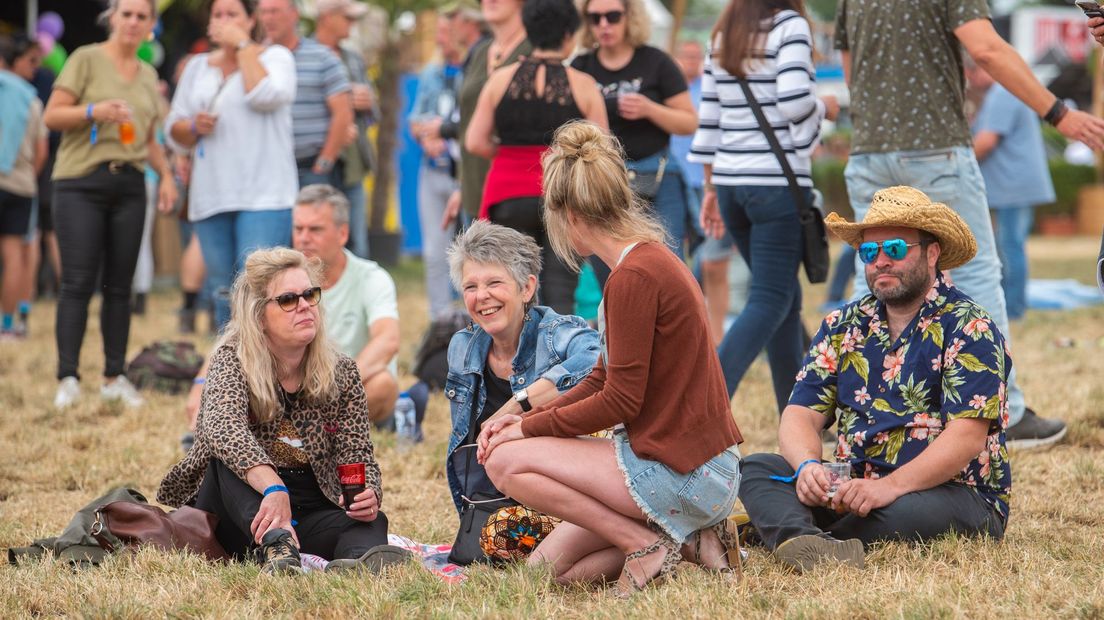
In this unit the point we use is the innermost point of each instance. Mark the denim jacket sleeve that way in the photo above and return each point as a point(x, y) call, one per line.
point(429, 86)
point(577, 345)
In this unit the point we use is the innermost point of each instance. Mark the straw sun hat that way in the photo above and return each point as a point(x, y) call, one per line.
point(909, 207)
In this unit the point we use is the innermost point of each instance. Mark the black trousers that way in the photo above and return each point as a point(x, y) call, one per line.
point(557, 282)
point(323, 528)
point(778, 515)
point(99, 220)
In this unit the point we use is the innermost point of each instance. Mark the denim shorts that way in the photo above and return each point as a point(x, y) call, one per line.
point(680, 504)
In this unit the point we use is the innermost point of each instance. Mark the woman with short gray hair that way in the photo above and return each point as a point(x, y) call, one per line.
point(515, 355)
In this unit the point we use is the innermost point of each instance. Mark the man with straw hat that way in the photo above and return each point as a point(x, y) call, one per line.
point(916, 373)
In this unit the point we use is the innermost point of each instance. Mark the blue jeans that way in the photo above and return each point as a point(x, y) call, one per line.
point(763, 223)
point(358, 226)
point(950, 176)
point(226, 239)
point(670, 199)
point(1013, 225)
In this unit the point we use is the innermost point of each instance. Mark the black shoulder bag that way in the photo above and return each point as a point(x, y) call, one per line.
point(814, 237)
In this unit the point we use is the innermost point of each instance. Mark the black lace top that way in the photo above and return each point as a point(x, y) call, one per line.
point(525, 118)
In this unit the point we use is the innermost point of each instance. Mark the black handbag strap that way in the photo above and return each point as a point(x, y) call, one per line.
point(776, 147)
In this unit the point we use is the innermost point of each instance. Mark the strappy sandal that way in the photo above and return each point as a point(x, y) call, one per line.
point(670, 563)
point(726, 534)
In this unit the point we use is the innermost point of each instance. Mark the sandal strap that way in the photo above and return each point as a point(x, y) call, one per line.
point(667, 568)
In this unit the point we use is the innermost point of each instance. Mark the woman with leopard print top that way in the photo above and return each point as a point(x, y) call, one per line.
point(281, 409)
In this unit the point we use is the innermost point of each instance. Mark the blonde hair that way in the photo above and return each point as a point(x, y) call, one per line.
point(584, 173)
point(245, 333)
point(104, 18)
point(638, 27)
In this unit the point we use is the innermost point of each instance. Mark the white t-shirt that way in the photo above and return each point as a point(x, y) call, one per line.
point(248, 162)
point(364, 294)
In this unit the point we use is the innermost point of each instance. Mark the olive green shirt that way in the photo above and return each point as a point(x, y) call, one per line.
point(90, 76)
point(473, 168)
point(907, 84)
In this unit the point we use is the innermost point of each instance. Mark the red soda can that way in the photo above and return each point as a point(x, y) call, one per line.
point(352, 481)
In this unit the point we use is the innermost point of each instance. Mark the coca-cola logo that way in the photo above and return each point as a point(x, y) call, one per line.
point(351, 474)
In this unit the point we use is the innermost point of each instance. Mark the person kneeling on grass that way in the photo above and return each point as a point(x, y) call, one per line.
point(661, 489)
point(917, 372)
point(280, 411)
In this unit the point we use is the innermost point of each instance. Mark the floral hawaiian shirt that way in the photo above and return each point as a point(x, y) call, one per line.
point(894, 398)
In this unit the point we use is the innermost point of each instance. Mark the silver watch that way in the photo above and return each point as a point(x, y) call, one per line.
point(522, 397)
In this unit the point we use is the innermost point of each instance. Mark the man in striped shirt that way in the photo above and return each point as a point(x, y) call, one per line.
point(322, 114)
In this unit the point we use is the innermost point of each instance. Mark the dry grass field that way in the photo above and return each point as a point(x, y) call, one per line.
point(1049, 565)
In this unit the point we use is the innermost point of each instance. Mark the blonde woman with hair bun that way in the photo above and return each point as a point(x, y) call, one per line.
point(281, 410)
point(660, 490)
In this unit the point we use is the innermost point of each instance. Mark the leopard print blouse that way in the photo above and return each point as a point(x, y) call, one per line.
point(333, 432)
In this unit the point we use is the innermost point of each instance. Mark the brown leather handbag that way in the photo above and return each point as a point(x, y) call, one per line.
point(125, 524)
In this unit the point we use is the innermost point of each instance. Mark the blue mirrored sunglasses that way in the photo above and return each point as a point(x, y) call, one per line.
point(893, 248)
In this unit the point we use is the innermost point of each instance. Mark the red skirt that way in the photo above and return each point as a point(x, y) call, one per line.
point(515, 173)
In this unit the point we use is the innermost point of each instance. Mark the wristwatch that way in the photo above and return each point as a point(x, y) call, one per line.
point(323, 164)
point(522, 398)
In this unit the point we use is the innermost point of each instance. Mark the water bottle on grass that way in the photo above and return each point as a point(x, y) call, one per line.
point(406, 423)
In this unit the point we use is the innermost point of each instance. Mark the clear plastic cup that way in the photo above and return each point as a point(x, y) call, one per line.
point(838, 473)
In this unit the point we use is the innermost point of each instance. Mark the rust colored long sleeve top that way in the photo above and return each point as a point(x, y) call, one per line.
point(662, 380)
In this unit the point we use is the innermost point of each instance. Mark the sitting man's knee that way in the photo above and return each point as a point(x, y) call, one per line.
point(382, 390)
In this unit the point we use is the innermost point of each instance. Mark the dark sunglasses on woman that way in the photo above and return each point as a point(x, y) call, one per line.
point(290, 301)
point(893, 248)
point(612, 17)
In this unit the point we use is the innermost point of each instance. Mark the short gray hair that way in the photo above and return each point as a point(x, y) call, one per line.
point(491, 244)
point(323, 194)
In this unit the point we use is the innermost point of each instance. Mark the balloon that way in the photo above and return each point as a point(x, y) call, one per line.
point(145, 52)
point(55, 59)
point(157, 53)
point(46, 42)
point(52, 24)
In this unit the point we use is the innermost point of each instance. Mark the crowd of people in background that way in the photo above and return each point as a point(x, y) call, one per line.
point(554, 135)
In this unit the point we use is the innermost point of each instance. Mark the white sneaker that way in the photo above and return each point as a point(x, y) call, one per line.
point(68, 393)
point(124, 390)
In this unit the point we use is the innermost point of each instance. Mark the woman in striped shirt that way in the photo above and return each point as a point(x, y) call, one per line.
point(768, 44)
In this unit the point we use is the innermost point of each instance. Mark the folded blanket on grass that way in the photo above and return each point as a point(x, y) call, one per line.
point(1061, 295)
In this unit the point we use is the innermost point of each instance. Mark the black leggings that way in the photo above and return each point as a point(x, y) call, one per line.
point(99, 220)
point(323, 528)
point(557, 282)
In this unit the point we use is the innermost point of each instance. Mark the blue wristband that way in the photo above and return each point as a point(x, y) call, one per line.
point(88, 111)
point(790, 479)
point(276, 488)
point(199, 380)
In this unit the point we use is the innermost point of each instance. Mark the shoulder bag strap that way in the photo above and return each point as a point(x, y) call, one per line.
point(768, 131)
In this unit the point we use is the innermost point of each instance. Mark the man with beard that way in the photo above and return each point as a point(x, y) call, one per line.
point(916, 372)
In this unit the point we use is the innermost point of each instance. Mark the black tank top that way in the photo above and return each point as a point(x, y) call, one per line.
point(525, 118)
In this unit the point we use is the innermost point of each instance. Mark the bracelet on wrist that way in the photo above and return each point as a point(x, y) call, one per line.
point(192, 127)
point(1056, 112)
point(276, 488)
point(797, 473)
point(88, 111)
point(199, 380)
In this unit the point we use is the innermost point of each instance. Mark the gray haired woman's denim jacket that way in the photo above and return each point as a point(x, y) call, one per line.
point(560, 348)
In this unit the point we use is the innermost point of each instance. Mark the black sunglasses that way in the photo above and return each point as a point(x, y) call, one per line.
point(290, 301)
point(612, 17)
